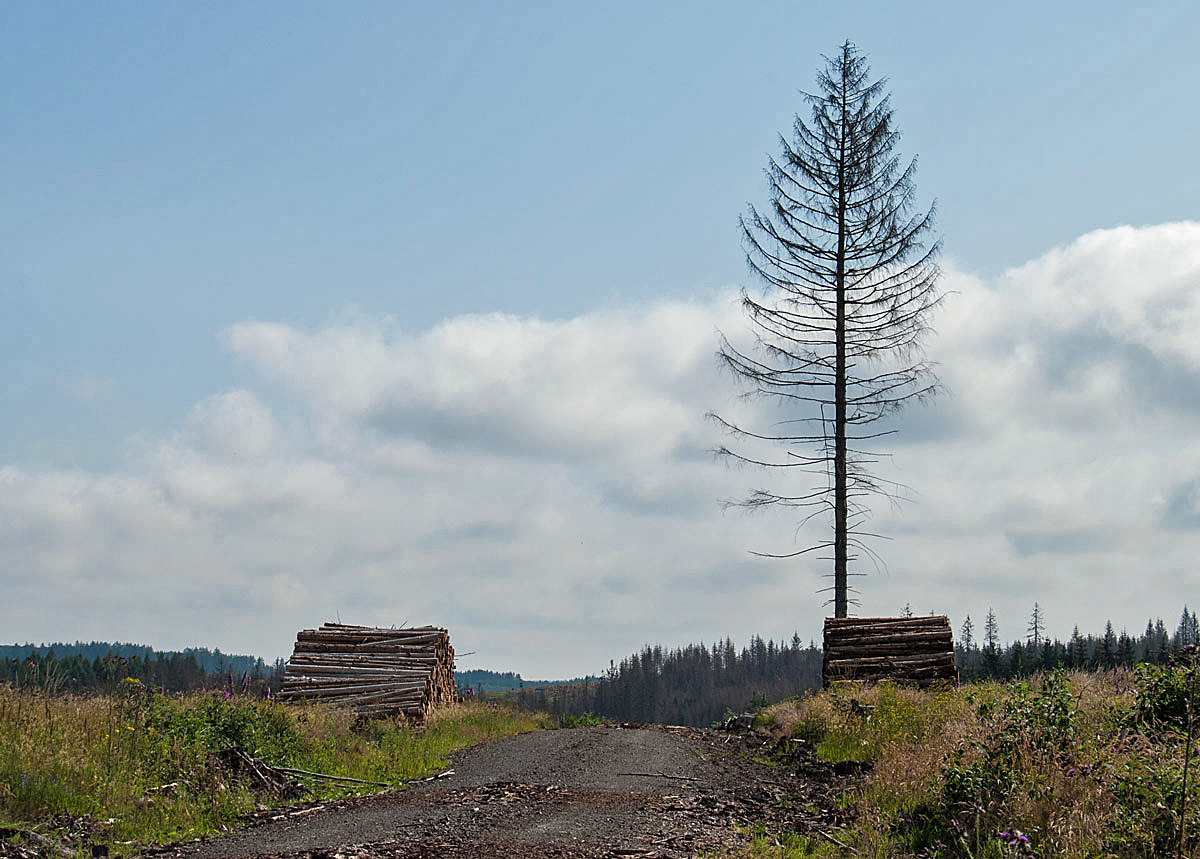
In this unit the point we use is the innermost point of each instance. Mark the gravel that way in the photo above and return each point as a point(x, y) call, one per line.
point(608, 791)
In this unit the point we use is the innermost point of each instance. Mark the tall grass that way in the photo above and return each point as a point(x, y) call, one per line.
point(146, 768)
point(1079, 765)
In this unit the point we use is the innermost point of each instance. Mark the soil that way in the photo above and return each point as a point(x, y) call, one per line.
point(612, 791)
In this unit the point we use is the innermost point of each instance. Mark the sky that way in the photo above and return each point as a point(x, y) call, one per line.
point(402, 313)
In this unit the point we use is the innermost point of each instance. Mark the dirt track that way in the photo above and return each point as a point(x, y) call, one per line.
point(586, 792)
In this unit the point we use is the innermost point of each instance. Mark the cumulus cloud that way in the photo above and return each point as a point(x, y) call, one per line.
point(610, 384)
point(545, 489)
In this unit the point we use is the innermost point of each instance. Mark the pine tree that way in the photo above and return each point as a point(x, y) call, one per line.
point(853, 283)
point(991, 638)
point(1188, 631)
point(1036, 626)
point(991, 630)
point(1109, 646)
point(1126, 652)
point(1162, 641)
point(966, 645)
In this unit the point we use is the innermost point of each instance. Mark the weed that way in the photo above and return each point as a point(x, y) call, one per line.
point(1080, 765)
point(152, 762)
point(586, 720)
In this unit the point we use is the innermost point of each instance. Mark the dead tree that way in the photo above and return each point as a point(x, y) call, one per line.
point(850, 283)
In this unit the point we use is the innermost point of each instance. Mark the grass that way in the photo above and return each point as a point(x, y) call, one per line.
point(144, 767)
point(1079, 765)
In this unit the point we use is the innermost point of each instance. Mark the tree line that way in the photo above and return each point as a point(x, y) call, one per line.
point(984, 656)
point(701, 684)
point(98, 666)
point(693, 685)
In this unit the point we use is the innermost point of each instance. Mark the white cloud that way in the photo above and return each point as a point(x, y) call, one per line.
point(544, 489)
point(608, 384)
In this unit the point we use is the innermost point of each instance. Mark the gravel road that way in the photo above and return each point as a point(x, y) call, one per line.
point(585, 792)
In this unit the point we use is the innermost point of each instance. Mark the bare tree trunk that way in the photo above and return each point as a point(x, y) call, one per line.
point(840, 511)
point(852, 285)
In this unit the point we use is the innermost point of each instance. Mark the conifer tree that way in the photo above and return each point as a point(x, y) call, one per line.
point(991, 638)
point(851, 283)
point(1109, 646)
point(991, 630)
point(1036, 626)
point(1076, 656)
point(1162, 641)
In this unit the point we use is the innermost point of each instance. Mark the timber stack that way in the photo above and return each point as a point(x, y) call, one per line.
point(373, 671)
point(906, 649)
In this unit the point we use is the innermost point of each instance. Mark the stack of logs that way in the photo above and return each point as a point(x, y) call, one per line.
point(907, 649)
point(372, 670)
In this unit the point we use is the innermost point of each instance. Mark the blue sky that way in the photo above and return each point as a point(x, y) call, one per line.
point(171, 172)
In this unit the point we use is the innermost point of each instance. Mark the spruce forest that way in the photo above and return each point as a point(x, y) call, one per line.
point(701, 684)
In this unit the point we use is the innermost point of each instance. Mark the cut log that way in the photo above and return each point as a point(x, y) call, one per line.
point(373, 670)
point(908, 649)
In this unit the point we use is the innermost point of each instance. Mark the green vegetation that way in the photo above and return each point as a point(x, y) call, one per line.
point(151, 763)
point(587, 720)
point(1066, 765)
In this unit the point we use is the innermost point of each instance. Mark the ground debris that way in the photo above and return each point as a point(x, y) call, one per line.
point(63, 835)
point(595, 793)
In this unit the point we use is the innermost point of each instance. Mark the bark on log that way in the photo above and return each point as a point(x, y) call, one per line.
point(373, 670)
point(901, 663)
point(306, 691)
point(915, 620)
point(882, 650)
point(933, 636)
point(913, 649)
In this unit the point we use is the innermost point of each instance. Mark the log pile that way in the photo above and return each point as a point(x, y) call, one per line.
point(372, 670)
point(907, 649)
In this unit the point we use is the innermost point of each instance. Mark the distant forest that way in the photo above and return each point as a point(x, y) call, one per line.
point(480, 681)
point(700, 684)
point(982, 656)
point(97, 665)
point(693, 685)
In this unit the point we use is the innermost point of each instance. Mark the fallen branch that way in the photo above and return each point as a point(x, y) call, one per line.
point(833, 840)
point(291, 771)
point(664, 775)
